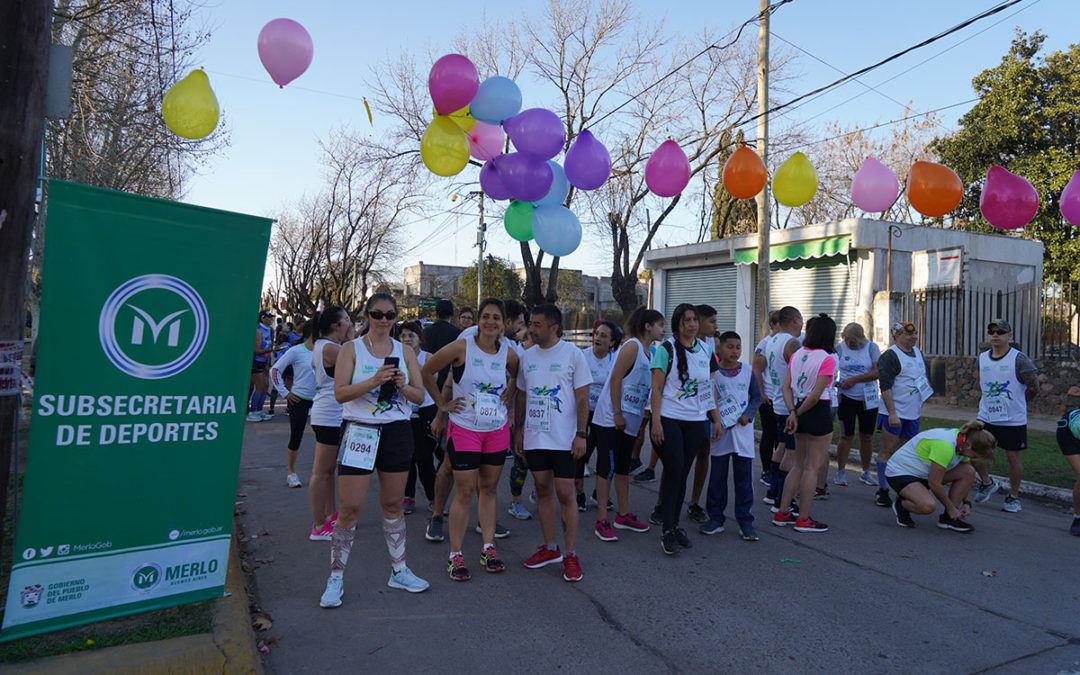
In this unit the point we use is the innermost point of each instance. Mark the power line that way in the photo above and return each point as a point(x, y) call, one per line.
point(896, 121)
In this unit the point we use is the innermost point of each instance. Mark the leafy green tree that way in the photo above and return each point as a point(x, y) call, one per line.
point(1027, 120)
point(500, 281)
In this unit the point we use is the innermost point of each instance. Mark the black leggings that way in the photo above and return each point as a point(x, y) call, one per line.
point(768, 433)
point(423, 450)
point(298, 417)
point(614, 449)
point(682, 440)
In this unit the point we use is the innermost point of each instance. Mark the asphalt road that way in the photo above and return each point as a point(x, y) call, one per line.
point(866, 597)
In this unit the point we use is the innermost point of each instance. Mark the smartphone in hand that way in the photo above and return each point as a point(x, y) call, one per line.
point(388, 389)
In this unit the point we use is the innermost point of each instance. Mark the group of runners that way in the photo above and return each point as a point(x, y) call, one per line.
point(400, 396)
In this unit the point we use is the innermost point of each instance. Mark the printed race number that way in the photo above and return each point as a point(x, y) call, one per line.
point(359, 446)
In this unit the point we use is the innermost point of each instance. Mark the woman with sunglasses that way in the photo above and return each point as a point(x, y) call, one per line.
point(375, 380)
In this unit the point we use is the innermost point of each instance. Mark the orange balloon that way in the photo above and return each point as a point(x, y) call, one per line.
point(934, 189)
point(744, 173)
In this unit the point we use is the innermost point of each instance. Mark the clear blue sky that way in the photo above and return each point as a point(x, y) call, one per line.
point(273, 157)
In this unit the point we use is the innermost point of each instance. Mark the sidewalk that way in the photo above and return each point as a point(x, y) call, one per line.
point(1006, 593)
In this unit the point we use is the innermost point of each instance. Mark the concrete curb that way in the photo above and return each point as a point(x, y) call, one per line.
point(230, 648)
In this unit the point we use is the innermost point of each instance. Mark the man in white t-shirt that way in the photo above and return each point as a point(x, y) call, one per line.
point(552, 411)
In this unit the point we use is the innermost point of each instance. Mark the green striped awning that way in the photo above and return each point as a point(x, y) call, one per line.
point(798, 250)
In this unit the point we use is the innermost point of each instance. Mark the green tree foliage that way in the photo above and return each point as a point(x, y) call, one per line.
point(1027, 120)
point(500, 281)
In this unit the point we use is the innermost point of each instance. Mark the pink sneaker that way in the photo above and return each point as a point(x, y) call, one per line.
point(603, 531)
point(628, 521)
point(323, 533)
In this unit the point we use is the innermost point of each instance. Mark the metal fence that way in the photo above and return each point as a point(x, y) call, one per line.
point(1061, 320)
point(953, 321)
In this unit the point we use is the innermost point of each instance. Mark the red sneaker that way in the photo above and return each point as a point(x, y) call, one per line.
point(808, 524)
point(628, 521)
point(571, 568)
point(603, 531)
point(543, 556)
point(782, 518)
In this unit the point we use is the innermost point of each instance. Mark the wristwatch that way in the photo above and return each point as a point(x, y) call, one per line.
point(582, 434)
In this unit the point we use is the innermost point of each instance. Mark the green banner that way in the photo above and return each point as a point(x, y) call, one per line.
point(797, 250)
point(147, 316)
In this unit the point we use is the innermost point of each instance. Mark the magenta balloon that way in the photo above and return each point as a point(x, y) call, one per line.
point(285, 50)
point(587, 162)
point(668, 170)
point(1070, 200)
point(527, 178)
point(874, 187)
point(537, 131)
point(452, 82)
point(486, 141)
point(1008, 202)
point(491, 183)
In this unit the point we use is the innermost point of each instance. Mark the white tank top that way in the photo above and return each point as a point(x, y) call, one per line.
point(1004, 399)
point(905, 390)
point(367, 408)
point(599, 369)
point(421, 358)
point(325, 410)
point(635, 391)
point(852, 363)
point(690, 400)
point(483, 380)
point(775, 370)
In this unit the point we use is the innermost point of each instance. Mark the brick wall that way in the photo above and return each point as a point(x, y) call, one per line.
point(956, 380)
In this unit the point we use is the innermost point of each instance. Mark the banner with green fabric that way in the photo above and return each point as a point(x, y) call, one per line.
point(147, 319)
point(797, 250)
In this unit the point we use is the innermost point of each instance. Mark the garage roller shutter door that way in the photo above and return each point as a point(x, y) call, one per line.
point(814, 286)
point(713, 286)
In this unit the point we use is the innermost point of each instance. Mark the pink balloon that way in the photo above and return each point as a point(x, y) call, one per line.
point(1008, 202)
point(285, 50)
point(668, 170)
point(874, 187)
point(453, 82)
point(491, 183)
point(486, 141)
point(1070, 200)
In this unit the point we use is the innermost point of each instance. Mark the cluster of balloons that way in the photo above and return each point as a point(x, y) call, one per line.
point(474, 119)
point(190, 107)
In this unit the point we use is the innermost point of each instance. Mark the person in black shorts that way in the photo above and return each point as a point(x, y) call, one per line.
point(1068, 438)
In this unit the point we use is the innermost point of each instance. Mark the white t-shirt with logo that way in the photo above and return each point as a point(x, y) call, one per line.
point(548, 379)
point(600, 369)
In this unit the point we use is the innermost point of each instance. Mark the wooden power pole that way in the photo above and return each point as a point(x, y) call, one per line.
point(763, 150)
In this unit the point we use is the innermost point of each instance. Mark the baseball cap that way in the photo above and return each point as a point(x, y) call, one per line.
point(904, 327)
point(1000, 323)
point(444, 307)
point(265, 313)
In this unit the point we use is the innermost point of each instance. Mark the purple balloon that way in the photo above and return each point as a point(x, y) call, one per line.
point(285, 50)
point(537, 131)
point(668, 170)
point(527, 178)
point(491, 183)
point(452, 82)
point(587, 162)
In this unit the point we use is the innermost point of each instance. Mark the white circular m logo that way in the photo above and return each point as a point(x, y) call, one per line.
point(176, 336)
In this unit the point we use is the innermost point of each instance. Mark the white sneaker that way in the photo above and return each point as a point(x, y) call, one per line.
point(331, 597)
point(868, 478)
point(407, 581)
point(292, 480)
point(265, 415)
point(587, 471)
point(984, 490)
point(253, 417)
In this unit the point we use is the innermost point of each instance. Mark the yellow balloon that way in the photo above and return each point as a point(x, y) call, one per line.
point(190, 108)
point(462, 118)
point(444, 147)
point(795, 182)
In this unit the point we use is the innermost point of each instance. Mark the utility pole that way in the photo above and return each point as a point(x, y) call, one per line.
point(480, 245)
point(24, 69)
point(763, 151)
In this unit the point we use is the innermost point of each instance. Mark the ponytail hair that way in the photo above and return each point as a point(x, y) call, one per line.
point(982, 441)
point(328, 318)
point(680, 348)
point(639, 319)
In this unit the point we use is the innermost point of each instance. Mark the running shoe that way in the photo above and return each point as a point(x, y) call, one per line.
point(682, 538)
point(588, 471)
point(500, 531)
point(748, 533)
point(765, 479)
point(1074, 529)
point(656, 517)
point(711, 527)
point(590, 500)
point(581, 506)
point(668, 543)
point(696, 513)
point(292, 480)
point(782, 518)
point(868, 478)
point(840, 478)
point(808, 524)
point(794, 508)
point(332, 518)
point(455, 567)
point(322, 533)
point(984, 490)
point(635, 464)
point(628, 521)
point(256, 417)
point(881, 498)
point(407, 581)
point(490, 561)
point(603, 531)
point(903, 516)
point(543, 556)
point(769, 498)
point(533, 498)
point(1011, 505)
point(434, 531)
point(645, 476)
point(408, 505)
point(518, 510)
point(947, 523)
point(331, 597)
point(265, 416)
point(821, 493)
point(571, 568)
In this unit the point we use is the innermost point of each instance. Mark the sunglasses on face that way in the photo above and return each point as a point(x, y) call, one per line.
point(379, 316)
point(997, 332)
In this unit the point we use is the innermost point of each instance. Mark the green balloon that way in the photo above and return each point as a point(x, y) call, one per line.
point(518, 220)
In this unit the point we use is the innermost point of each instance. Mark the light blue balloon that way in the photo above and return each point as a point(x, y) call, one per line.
point(560, 186)
point(497, 99)
point(556, 229)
